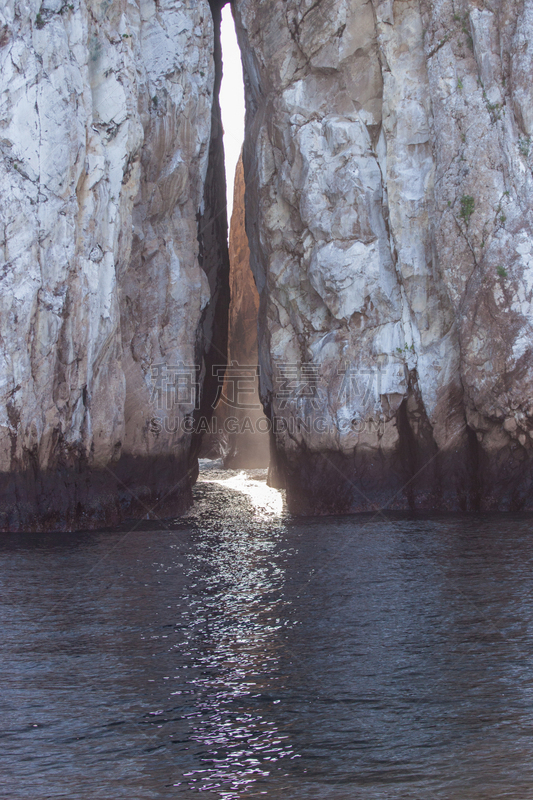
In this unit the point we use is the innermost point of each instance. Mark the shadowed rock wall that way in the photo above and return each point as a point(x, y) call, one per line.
point(388, 208)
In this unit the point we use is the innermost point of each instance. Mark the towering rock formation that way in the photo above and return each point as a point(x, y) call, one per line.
point(113, 255)
point(388, 171)
point(388, 167)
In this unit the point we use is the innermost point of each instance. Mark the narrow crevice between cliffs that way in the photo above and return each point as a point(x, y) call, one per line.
point(233, 426)
point(214, 259)
point(244, 440)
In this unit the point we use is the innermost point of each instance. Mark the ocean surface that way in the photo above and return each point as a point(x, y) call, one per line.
point(241, 653)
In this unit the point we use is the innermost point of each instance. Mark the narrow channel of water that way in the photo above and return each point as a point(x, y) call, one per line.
point(241, 653)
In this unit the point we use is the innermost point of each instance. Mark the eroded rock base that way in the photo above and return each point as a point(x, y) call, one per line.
point(73, 499)
point(333, 483)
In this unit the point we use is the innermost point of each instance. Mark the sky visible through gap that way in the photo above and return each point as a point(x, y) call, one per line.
point(231, 100)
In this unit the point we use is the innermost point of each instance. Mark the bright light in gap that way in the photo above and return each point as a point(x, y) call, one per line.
point(266, 501)
point(231, 100)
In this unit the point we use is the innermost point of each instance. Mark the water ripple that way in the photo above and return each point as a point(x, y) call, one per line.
point(243, 653)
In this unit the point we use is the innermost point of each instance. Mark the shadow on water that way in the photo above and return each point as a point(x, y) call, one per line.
point(244, 654)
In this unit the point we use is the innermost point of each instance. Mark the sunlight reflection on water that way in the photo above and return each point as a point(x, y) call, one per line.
point(264, 499)
point(235, 635)
point(239, 652)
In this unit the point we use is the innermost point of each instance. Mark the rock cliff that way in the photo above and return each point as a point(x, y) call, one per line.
point(113, 255)
point(388, 170)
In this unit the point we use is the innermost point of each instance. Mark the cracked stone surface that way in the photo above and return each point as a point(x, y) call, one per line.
point(388, 169)
point(106, 201)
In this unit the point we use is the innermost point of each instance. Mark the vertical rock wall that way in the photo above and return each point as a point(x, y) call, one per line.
point(388, 171)
point(246, 441)
point(109, 190)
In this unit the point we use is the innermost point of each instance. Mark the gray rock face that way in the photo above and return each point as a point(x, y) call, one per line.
point(388, 168)
point(389, 211)
point(112, 254)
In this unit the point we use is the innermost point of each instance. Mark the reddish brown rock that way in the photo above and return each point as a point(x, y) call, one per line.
point(243, 445)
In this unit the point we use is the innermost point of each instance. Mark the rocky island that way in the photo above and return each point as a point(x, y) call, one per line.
point(388, 170)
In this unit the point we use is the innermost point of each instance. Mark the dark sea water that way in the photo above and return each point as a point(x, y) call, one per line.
point(241, 653)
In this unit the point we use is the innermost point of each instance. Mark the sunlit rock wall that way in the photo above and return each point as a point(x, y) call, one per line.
point(245, 440)
point(108, 195)
point(389, 213)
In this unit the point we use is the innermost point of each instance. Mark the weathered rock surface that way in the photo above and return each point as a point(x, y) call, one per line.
point(112, 253)
point(388, 166)
point(239, 412)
